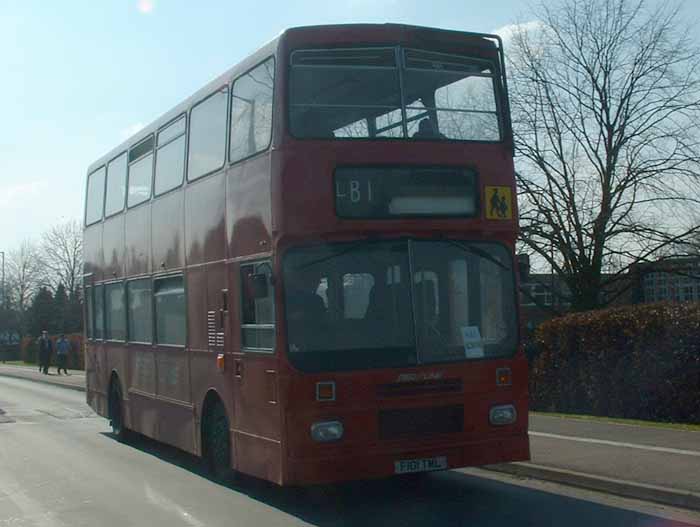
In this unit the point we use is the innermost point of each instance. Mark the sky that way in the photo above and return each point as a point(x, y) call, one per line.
point(78, 77)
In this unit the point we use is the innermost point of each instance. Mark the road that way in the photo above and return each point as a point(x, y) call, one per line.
point(646, 455)
point(59, 467)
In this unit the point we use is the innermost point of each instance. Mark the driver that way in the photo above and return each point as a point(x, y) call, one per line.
point(306, 310)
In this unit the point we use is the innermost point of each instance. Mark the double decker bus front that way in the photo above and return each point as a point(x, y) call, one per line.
point(396, 219)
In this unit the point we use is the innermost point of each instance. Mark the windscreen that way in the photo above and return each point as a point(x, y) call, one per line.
point(392, 93)
point(366, 304)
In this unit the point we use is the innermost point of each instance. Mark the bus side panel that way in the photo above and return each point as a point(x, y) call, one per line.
point(205, 378)
point(168, 231)
point(96, 377)
point(142, 389)
point(248, 210)
point(175, 410)
point(257, 430)
point(205, 233)
point(258, 457)
point(115, 358)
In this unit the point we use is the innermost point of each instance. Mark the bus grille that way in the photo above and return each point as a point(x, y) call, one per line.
point(410, 423)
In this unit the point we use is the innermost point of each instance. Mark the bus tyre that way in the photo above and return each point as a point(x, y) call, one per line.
point(116, 412)
point(217, 442)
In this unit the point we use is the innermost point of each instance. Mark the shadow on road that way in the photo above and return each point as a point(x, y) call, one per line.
point(439, 499)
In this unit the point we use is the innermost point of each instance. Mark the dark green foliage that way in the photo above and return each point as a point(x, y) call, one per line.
point(57, 313)
point(640, 362)
point(74, 314)
point(42, 313)
point(60, 309)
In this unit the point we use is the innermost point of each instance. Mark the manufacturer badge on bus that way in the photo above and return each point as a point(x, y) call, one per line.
point(415, 377)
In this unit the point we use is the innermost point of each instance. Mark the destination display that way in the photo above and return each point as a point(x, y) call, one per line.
point(390, 192)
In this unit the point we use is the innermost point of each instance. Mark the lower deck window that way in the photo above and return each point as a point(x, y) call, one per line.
point(140, 311)
point(90, 318)
point(115, 312)
point(99, 312)
point(169, 295)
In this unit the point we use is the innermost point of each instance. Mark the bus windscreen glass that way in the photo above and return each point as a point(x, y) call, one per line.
point(353, 306)
point(379, 93)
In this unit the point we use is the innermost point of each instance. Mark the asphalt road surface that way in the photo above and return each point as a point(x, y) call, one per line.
point(59, 466)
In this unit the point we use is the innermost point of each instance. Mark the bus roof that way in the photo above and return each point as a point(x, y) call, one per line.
point(332, 34)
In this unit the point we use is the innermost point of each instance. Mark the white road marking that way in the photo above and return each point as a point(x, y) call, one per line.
point(168, 505)
point(694, 453)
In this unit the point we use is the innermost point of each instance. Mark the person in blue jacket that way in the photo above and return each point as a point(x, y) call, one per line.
point(62, 349)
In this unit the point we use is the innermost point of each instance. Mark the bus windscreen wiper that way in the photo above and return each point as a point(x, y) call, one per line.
point(350, 248)
point(471, 248)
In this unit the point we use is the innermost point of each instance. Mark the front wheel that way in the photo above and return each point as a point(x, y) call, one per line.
point(116, 412)
point(217, 452)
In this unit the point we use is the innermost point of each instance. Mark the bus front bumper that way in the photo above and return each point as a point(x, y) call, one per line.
point(370, 465)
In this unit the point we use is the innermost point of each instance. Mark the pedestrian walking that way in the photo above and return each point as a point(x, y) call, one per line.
point(62, 349)
point(45, 350)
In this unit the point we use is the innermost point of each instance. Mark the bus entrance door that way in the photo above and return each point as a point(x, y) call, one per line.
point(257, 429)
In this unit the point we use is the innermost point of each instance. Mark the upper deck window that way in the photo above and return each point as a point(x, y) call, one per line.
point(251, 111)
point(334, 92)
point(170, 157)
point(95, 196)
point(449, 97)
point(207, 135)
point(140, 172)
point(392, 93)
point(116, 185)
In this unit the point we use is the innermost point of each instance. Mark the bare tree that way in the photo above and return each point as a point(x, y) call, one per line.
point(62, 255)
point(605, 101)
point(24, 275)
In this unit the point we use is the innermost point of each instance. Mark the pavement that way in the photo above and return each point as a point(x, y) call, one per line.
point(643, 462)
point(75, 379)
point(633, 461)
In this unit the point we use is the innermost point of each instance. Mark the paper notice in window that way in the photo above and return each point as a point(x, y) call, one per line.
point(473, 346)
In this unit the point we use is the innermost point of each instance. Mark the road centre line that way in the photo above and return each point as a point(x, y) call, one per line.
point(694, 453)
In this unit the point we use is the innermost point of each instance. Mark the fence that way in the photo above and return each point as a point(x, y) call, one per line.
point(9, 352)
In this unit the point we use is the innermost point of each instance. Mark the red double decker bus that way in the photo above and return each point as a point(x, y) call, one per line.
point(305, 271)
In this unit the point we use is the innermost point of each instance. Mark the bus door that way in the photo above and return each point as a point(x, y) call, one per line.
point(257, 426)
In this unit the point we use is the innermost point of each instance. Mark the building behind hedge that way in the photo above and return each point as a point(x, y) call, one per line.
point(544, 296)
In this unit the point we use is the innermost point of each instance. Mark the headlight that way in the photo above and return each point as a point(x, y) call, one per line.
point(503, 415)
point(327, 431)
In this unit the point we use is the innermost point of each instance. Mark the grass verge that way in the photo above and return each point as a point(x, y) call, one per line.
point(17, 363)
point(619, 420)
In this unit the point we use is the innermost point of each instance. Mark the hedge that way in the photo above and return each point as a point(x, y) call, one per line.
point(640, 362)
point(76, 355)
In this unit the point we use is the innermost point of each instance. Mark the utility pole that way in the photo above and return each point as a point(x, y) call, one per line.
point(3, 289)
point(3, 279)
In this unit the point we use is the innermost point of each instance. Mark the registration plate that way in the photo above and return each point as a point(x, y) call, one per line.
point(408, 466)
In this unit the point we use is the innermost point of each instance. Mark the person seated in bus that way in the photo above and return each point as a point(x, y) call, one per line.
point(428, 130)
point(306, 310)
